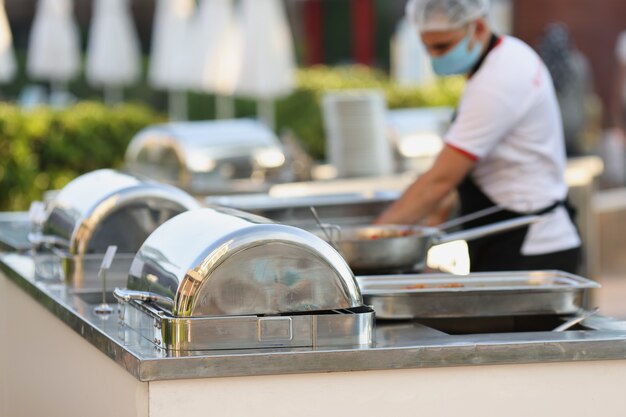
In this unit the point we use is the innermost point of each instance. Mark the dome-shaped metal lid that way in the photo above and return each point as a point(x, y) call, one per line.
point(107, 207)
point(222, 262)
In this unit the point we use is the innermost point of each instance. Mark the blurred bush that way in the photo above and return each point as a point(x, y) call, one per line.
point(43, 149)
point(301, 113)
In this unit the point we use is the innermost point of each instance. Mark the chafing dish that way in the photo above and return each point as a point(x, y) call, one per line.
point(100, 209)
point(340, 208)
point(208, 157)
point(220, 278)
point(475, 295)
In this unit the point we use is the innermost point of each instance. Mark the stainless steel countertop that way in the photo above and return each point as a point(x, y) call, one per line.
point(398, 345)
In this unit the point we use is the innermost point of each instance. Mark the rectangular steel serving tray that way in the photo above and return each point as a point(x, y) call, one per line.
point(14, 229)
point(344, 328)
point(491, 294)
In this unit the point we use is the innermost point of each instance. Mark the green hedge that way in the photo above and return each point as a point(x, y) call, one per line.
point(300, 112)
point(44, 148)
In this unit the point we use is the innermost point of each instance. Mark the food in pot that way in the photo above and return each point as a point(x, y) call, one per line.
point(386, 234)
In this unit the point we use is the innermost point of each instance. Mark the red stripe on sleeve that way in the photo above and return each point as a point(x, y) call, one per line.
point(463, 152)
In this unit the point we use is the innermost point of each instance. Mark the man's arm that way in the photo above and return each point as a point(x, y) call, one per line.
point(425, 194)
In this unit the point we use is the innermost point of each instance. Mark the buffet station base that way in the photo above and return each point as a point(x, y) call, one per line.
point(59, 358)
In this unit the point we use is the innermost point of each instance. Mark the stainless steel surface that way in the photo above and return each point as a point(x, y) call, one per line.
point(575, 320)
point(205, 157)
point(397, 346)
point(226, 262)
point(14, 229)
point(346, 208)
point(402, 248)
point(475, 295)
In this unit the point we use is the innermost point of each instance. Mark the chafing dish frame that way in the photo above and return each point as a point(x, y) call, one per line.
point(488, 294)
point(345, 327)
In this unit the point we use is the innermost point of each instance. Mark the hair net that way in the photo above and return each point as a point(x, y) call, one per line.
point(439, 15)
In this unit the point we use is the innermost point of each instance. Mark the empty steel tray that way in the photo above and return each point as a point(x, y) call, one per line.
point(475, 295)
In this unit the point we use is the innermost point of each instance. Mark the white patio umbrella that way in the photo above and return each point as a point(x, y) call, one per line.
point(268, 61)
point(217, 53)
point(172, 49)
point(7, 55)
point(410, 64)
point(113, 48)
point(54, 46)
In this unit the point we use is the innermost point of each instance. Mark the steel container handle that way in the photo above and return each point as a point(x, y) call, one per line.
point(469, 217)
point(482, 231)
point(125, 295)
point(38, 240)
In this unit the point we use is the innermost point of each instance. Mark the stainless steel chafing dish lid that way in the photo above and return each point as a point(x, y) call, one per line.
point(223, 262)
point(192, 154)
point(106, 207)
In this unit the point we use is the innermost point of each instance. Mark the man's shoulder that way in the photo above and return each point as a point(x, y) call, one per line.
point(511, 65)
point(516, 49)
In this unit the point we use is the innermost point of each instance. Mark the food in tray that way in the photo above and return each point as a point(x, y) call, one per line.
point(386, 234)
point(424, 286)
point(415, 287)
point(451, 285)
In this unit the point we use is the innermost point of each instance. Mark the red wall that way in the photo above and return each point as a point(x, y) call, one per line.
point(595, 25)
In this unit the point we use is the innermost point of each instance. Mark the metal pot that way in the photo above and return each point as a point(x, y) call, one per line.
point(398, 248)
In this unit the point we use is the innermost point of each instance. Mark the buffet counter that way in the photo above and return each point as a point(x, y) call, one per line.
point(74, 362)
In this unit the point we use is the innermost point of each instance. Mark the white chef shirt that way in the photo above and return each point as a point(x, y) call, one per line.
point(509, 122)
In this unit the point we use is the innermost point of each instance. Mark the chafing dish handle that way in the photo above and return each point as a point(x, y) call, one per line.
point(125, 295)
point(39, 239)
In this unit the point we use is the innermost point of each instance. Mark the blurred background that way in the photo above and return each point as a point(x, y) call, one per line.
point(341, 32)
point(79, 79)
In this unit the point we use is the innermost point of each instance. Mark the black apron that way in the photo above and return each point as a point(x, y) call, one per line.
point(502, 252)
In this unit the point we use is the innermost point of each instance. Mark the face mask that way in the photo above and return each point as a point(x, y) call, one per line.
point(459, 60)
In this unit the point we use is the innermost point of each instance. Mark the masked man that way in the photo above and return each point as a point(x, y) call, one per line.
point(505, 147)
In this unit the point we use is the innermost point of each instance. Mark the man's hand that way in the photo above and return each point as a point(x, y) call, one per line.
point(425, 194)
